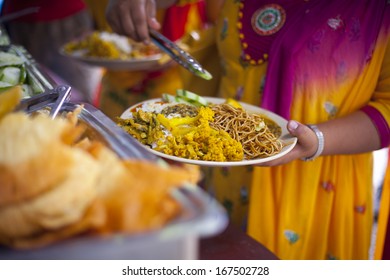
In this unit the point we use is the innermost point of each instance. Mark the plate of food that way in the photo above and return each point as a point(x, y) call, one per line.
point(207, 131)
point(113, 51)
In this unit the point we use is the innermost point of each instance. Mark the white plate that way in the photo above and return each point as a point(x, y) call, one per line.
point(287, 139)
point(145, 63)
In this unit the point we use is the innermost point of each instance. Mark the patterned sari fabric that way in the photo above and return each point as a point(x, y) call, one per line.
point(311, 61)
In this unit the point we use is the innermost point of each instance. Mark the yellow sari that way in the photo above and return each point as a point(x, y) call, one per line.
point(303, 210)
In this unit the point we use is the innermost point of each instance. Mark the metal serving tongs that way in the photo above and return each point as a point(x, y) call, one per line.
point(179, 55)
point(53, 99)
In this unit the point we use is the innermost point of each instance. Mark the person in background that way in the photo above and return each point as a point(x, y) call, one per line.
point(44, 32)
point(121, 89)
point(314, 62)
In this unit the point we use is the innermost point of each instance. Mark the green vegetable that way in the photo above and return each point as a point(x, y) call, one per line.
point(4, 86)
point(9, 59)
point(27, 91)
point(170, 98)
point(191, 97)
point(14, 72)
point(34, 83)
point(205, 75)
point(11, 75)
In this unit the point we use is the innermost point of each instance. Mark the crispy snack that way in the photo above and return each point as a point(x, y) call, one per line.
point(94, 216)
point(54, 184)
point(31, 151)
point(143, 202)
point(60, 206)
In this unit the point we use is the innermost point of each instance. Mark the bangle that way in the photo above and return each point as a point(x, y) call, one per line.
point(320, 138)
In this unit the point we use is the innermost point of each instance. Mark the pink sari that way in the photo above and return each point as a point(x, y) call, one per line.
point(357, 39)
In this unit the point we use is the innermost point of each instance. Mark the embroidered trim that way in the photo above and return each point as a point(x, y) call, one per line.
point(257, 24)
point(268, 20)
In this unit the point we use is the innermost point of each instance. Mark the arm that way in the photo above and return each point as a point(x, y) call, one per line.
point(359, 132)
point(352, 134)
point(133, 18)
point(367, 129)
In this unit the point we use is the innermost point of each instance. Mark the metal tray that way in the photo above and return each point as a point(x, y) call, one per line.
point(117, 139)
point(202, 215)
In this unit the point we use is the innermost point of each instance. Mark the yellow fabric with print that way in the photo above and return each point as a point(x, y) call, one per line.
point(302, 210)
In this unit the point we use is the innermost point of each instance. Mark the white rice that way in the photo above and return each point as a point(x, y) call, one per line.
point(153, 107)
point(121, 42)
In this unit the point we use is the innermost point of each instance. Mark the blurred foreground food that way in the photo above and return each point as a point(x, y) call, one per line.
point(9, 99)
point(56, 183)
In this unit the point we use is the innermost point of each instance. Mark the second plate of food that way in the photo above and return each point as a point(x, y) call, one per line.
point(262, 134)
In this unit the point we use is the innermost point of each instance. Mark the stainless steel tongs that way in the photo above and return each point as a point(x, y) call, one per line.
point(179, 55)
point(54, 99)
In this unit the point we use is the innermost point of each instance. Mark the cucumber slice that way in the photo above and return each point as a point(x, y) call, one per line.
point(4, 86)
point(11, 75)
point(203, 74)
point(23, 75)
point(26, 91)
point(9, 59)
point(192, 97)
point(170, 99)
point(34, 83)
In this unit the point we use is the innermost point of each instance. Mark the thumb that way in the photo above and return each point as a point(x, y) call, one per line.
point(307, 139)
point(296, 128)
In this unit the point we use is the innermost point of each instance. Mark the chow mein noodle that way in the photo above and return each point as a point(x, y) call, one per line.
point(249, 129)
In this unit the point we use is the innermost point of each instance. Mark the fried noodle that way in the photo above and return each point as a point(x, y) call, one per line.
point(249, 129)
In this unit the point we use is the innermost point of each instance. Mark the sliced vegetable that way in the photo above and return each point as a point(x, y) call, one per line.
point(13, 72)
point(11, 75)
point(23, 75)
point(192, 97)
point(205, 74)
point(233, 102)
point(27, 91)
point(4, 86)
point(36, 86)
point(9, 59)
point(171, 98)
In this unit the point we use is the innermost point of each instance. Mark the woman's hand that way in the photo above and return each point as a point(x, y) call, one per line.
point(134, 18)
point(306, 146)
point(351, 134)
